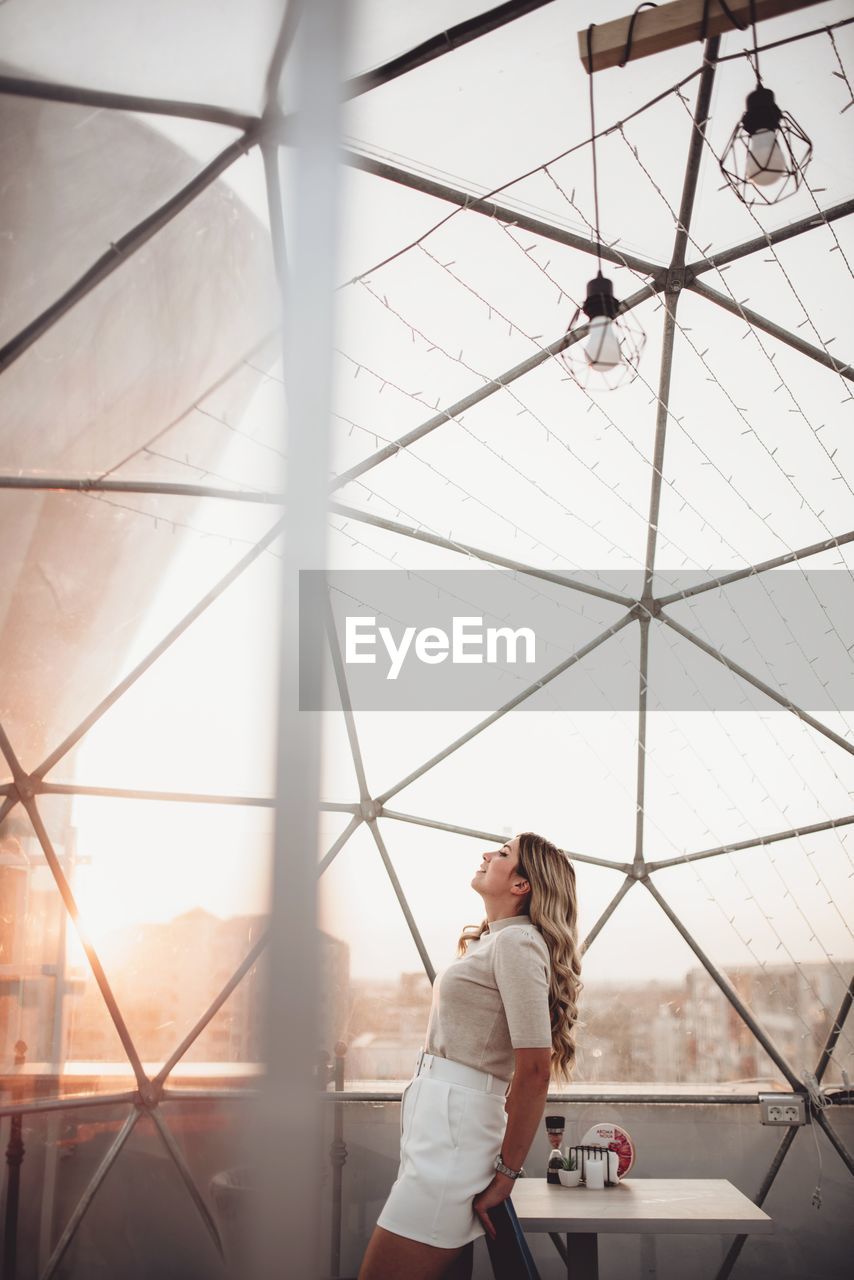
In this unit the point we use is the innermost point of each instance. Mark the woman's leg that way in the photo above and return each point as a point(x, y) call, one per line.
point(461, 1267)
point(389, 1256)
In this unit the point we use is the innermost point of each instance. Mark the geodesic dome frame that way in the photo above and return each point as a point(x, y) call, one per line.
point(648, 609)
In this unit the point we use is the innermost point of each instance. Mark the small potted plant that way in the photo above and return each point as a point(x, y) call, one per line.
point(570, 1174)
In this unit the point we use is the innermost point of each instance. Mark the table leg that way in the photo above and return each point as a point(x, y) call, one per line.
point(582, 1256)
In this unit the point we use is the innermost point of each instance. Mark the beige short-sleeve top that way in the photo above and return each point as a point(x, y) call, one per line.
point(493, 999)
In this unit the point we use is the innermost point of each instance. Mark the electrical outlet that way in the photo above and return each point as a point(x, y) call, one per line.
point(782, 1108)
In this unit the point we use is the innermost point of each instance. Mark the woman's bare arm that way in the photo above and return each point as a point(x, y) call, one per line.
point(525, 1105)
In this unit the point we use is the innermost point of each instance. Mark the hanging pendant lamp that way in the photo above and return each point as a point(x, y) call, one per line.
point(768, 152)
point(608, 355)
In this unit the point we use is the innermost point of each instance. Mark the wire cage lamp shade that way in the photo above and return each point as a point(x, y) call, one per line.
point(766, 157)
point(607, 343)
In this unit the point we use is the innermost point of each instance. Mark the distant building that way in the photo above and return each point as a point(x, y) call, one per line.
point(795, 1005)
point(164, 977)
point(387, 1026)
point(33, 978)
point(170, 973)
point(380, 1056)
point(629, 1032)
point(335, 989)
point(693, 1034)
point(672, 1045)
point(14, 889)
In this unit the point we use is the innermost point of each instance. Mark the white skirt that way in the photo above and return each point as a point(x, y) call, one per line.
point(449, 1138)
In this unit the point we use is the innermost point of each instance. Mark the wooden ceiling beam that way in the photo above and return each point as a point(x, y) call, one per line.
point(674, 24)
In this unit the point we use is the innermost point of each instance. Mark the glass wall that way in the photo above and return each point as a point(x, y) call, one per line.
point(684, 731)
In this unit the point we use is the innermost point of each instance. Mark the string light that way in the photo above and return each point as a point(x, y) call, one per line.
point(493, 309)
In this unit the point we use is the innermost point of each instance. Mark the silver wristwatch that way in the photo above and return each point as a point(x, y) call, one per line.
point(501, 1167)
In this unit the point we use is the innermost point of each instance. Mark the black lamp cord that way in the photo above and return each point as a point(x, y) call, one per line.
point(627, 52)
point(704, 22)
point(593, 144)
point(739, 26)
point(755, 42)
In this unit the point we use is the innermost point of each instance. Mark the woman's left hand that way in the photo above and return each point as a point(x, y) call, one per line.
point(496, 1193)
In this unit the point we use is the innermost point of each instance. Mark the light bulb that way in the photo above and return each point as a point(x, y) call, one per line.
point(765, 163)
point(602, 348)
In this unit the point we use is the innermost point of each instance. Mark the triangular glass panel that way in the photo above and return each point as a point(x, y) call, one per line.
point(231, 437)
point(787, 629)
point(564, 621)
point(380, 730)
point(797, 290)
point(507, 475)
point(161, 1008)
point(138, 66)
point(436, 868)
point(650, 1013)
point(215, 1138)
point(339, 776)
point(380, 992)
point(56, 1034)
point(143, 1217)
point(743, 483)
point(62, 1151)
point(71, 630)
point(120, 170)
point(450, 143)
point(221, 303)
point(575, 771)
point(719, 774)
point(201, 719)
point(230, 1047)
point(776, 920)
point(173, 896)
point(227, 1051)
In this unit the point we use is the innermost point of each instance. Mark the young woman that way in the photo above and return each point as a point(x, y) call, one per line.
point(503, 1018)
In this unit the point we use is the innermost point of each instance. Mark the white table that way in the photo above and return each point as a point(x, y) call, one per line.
point(649, 1206)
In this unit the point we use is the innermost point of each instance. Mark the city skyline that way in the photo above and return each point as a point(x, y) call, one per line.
point(679, 1030)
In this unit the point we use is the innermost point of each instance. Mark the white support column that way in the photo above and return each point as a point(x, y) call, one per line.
point(287, 1146)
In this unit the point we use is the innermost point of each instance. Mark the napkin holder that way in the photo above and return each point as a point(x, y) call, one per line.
point(582, 1153)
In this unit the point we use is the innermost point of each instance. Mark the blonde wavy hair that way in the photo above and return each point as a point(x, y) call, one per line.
point(552, 905)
